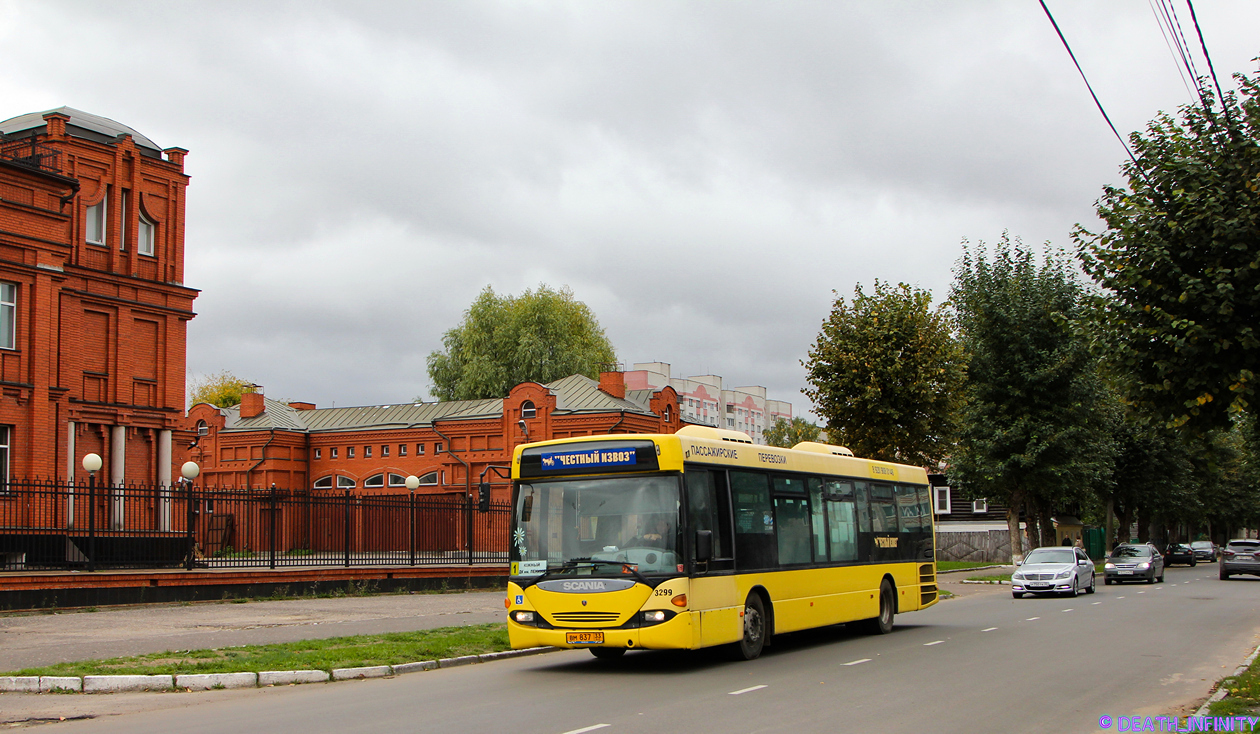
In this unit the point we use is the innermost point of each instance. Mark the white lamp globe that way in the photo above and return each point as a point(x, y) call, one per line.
point(190, 470)
point(92, 463)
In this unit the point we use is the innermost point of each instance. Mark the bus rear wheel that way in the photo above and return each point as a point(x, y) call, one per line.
point(882, 624)
point(608, 653)
point(754, 640)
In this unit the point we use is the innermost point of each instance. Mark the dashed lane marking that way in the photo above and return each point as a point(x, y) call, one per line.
point(587, 728)
point(929, 644)
point(1095, 604)
point(745, 690)
point(1067, 610)
point(859, 662)
point(989, 629)
point(1032, 619)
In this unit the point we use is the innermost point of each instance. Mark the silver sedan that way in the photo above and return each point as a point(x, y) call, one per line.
point(1054, 570)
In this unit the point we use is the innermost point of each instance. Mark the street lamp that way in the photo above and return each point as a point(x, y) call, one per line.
point(190, 470)
point(411, 482)
point(92, 464)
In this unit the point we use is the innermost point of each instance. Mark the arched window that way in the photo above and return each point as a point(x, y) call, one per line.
point(202, 428)
point(528, 410)
point(397, 480)
point(430, 478)
point(323, 483)
point(669, 414)
point(376, 480)
point(345, 483)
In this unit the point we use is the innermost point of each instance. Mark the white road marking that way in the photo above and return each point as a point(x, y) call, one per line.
point(1067, 610)
point(989, 629)
point(1119, 597)
point(1141, 592)
point(745, 690)
point(1030, 619)
point(586, 729)
point(856, 662)
point(1095, 604)
point(929, 644)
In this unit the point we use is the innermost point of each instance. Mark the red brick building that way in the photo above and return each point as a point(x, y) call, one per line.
point(93, 310)
point(448, 446)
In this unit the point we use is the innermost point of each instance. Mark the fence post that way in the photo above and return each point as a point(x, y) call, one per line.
point(411, 535)
point(468, 510)
point(273, 526)
point(91, 521)
point(347, 555)
point(192, 524)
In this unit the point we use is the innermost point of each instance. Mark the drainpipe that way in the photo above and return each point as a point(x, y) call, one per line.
point(450, 450)
point(249, 472)
point(619, 421)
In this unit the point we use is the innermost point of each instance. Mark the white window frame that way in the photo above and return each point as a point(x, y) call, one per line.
point(419, 449)
point(529, 410)
point(940, 500)
point(323, 482)
point(384, 451)
point(374, 481)
point(397, 480)
point(98, 220)
point(319, 454)
point(344, 482)
point(429, 478)
point(146, 236)
point(6, 435)
point(8, 315)
point(979, 506)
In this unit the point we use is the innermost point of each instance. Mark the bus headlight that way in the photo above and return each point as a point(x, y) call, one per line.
point(655, 616)
point(523, 617)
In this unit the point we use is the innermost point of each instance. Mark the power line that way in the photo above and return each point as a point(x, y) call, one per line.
point(1220, 95)
point(1090, 87)
point(1160, 20)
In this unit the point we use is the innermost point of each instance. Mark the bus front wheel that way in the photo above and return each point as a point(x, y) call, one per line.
point(754, 640)
point(882, 624)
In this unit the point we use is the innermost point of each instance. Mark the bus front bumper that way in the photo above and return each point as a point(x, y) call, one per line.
point(674, 634)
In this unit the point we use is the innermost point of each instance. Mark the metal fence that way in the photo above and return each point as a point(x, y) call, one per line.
point(51, 525)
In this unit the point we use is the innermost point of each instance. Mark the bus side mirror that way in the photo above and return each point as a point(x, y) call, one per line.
point(483, 497)
point(704, 545)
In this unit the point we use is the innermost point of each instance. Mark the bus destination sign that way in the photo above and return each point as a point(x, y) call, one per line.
point(589, 458)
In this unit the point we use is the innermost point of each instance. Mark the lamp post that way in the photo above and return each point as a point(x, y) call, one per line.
point(412, 481)
point(92, 464)
point(190, 471)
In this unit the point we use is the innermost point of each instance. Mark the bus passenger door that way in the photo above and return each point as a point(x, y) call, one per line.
point(713, 593)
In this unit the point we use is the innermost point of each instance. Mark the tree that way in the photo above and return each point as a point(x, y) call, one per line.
point(223, 389)
point(885, 373)
point(1033, 437)
point(1180, 260)
point(539, 336)
point(787, 434)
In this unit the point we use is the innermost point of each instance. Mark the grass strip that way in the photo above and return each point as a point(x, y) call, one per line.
point(336, 652)
point(961, 565)
point(995, 577)
point(1244, 693)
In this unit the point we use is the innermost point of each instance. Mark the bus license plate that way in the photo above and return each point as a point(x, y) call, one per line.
point(584, 638)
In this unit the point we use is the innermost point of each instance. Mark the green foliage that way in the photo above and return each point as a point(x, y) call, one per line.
point(885, 373)
point(1180, 261)
point(787, 434)
point(539, 336)
point(223, 389)
point(1033, 431)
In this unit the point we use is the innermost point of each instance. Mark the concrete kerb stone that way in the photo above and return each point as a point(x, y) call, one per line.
point(406, 668)
point(120, 683)
point(19, 683)
point(287, 677)
point(207, 681)
point(1222, 691)
point(371, 671)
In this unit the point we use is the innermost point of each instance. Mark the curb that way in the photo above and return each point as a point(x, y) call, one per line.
point(207, 681)
point(969, 581)
point(1221, 692)
point(969, 570)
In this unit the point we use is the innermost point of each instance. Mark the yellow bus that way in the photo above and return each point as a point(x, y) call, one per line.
point(702, 538)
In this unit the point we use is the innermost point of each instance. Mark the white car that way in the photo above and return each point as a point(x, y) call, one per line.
point(1054, 570)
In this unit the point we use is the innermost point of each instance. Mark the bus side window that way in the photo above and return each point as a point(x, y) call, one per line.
point(754, 521)
point(842, 521)
point(866, 545)
point(818, 518)
point(910, 521)
point(792, 521)
point(925, 544)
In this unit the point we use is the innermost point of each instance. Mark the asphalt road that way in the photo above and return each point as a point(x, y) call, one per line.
point(981, 663)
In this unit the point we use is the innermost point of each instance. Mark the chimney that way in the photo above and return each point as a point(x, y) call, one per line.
point(56, 124)
point(252, 404)
point(613, 383)
point(176, 156)
point(302, 406)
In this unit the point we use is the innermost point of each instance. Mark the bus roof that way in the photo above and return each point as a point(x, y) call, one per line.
point(586, 455)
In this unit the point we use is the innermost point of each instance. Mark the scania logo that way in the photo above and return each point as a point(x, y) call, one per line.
point(583, 586)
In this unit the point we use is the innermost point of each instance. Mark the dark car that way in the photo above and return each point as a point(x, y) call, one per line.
point(1240, 556)
point(1179, 553)
point(1204, 550)
point(1137, 562)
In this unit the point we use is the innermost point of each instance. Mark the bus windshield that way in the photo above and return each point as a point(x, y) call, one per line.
point(595, 526)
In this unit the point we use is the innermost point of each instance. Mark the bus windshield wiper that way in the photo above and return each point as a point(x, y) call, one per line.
point(572, 564)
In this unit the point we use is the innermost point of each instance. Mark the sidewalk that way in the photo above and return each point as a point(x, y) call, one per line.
point(33, 639)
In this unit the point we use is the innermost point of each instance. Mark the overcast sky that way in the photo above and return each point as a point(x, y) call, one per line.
point(702, 174)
